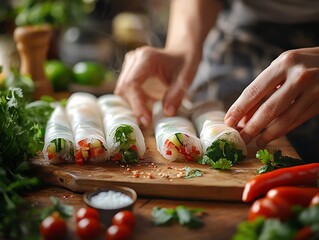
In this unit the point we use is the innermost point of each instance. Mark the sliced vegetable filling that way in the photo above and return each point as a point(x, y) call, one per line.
point(92, 150)
point(222, 154)
point(127, 151)
point(179, 144)
point(60, 150)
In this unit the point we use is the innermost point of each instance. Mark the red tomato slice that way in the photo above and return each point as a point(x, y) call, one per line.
point(84, 144)
point(78, 157)
point(51, 155)
point(95, 152)
point(134, 148)
point(168, 152)
point(117, 157)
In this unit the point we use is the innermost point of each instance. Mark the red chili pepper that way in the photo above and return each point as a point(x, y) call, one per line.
point(306, 174)
point(270, 208)
point(293, 195)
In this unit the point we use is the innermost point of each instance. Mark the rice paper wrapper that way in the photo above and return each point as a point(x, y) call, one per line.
point(85, 118)
point(166, 127)
point(211, 127)
point(58, 126)
point(116, 112)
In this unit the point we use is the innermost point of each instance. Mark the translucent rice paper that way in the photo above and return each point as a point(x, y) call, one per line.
point(165, 127)
point(211, 127)
point(116, 112)
point(85, 118)
point(58, 126)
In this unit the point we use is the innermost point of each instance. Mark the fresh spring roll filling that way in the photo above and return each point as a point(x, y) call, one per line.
point(86, 122)
point(176, 138)
point(58, 144)
point(222, 145)
point(125, 141)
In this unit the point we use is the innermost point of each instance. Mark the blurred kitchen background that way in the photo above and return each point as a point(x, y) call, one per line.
point(98, 31)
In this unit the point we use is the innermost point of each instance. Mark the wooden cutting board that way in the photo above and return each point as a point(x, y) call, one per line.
point(157, 177)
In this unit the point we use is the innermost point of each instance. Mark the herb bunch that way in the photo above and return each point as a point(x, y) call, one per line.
point(21, 134)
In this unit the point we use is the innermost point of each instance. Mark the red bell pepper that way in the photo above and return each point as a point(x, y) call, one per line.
point(306, 175)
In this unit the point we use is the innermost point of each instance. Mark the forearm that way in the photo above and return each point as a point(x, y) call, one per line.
point(189, 24)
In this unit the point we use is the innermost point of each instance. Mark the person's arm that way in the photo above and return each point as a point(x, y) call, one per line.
point(281, 98)
point(189, 25)
point(175, 65)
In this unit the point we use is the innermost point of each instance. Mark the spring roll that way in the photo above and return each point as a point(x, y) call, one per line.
point(87, 126)
point(176, 138)
point(58, 140)
point(124, 139)
point(219, 141)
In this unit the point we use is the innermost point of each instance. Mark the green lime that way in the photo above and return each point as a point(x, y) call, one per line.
point(89, 73)
point(59, 74)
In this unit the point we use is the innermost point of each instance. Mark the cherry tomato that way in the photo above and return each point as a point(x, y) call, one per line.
point(53, 227)
point(124, 217)
point(270, 208)
point(119, 232)
point(315, 200)
point(88, 228)
point(87, 212)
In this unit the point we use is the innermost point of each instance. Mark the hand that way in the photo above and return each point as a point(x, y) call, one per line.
point(174, 70)
point(282, 97)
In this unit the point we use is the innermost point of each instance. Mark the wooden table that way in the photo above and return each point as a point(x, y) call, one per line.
point(221, 218)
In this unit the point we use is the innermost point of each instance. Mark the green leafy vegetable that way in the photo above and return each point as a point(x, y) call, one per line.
point(222, 154)
point(275, 161)
point(184, 216)
point(192, 172)
point(222, 164)
point(21, 132)
point(273, 229)
point(125, 140)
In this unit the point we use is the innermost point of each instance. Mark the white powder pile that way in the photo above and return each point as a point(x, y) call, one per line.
point(110, 200)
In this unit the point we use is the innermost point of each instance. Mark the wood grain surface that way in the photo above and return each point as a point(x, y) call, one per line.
point(158, 177)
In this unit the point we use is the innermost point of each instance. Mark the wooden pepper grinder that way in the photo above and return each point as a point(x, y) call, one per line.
point(33, 44)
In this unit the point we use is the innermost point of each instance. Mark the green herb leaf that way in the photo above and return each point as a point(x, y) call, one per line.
point(163, 216)
point(184, 216)
point(222, 164)
point(222, 149)
point(192, 172)
point(123, 136)
point(275, 161)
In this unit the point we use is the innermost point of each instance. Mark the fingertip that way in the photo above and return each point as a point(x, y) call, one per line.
point(247, 138)
point(169, 110)
point(144, 121)
point(230, 121)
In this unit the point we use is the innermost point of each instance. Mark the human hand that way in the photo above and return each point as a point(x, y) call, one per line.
point(281, 98)
point(174, 70)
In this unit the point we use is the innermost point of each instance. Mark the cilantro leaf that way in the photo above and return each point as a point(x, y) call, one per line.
point(184, 216)
point(222, 164)
point(192, 172)
point(222, 149)
point(275, 160)
point(124, 138)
